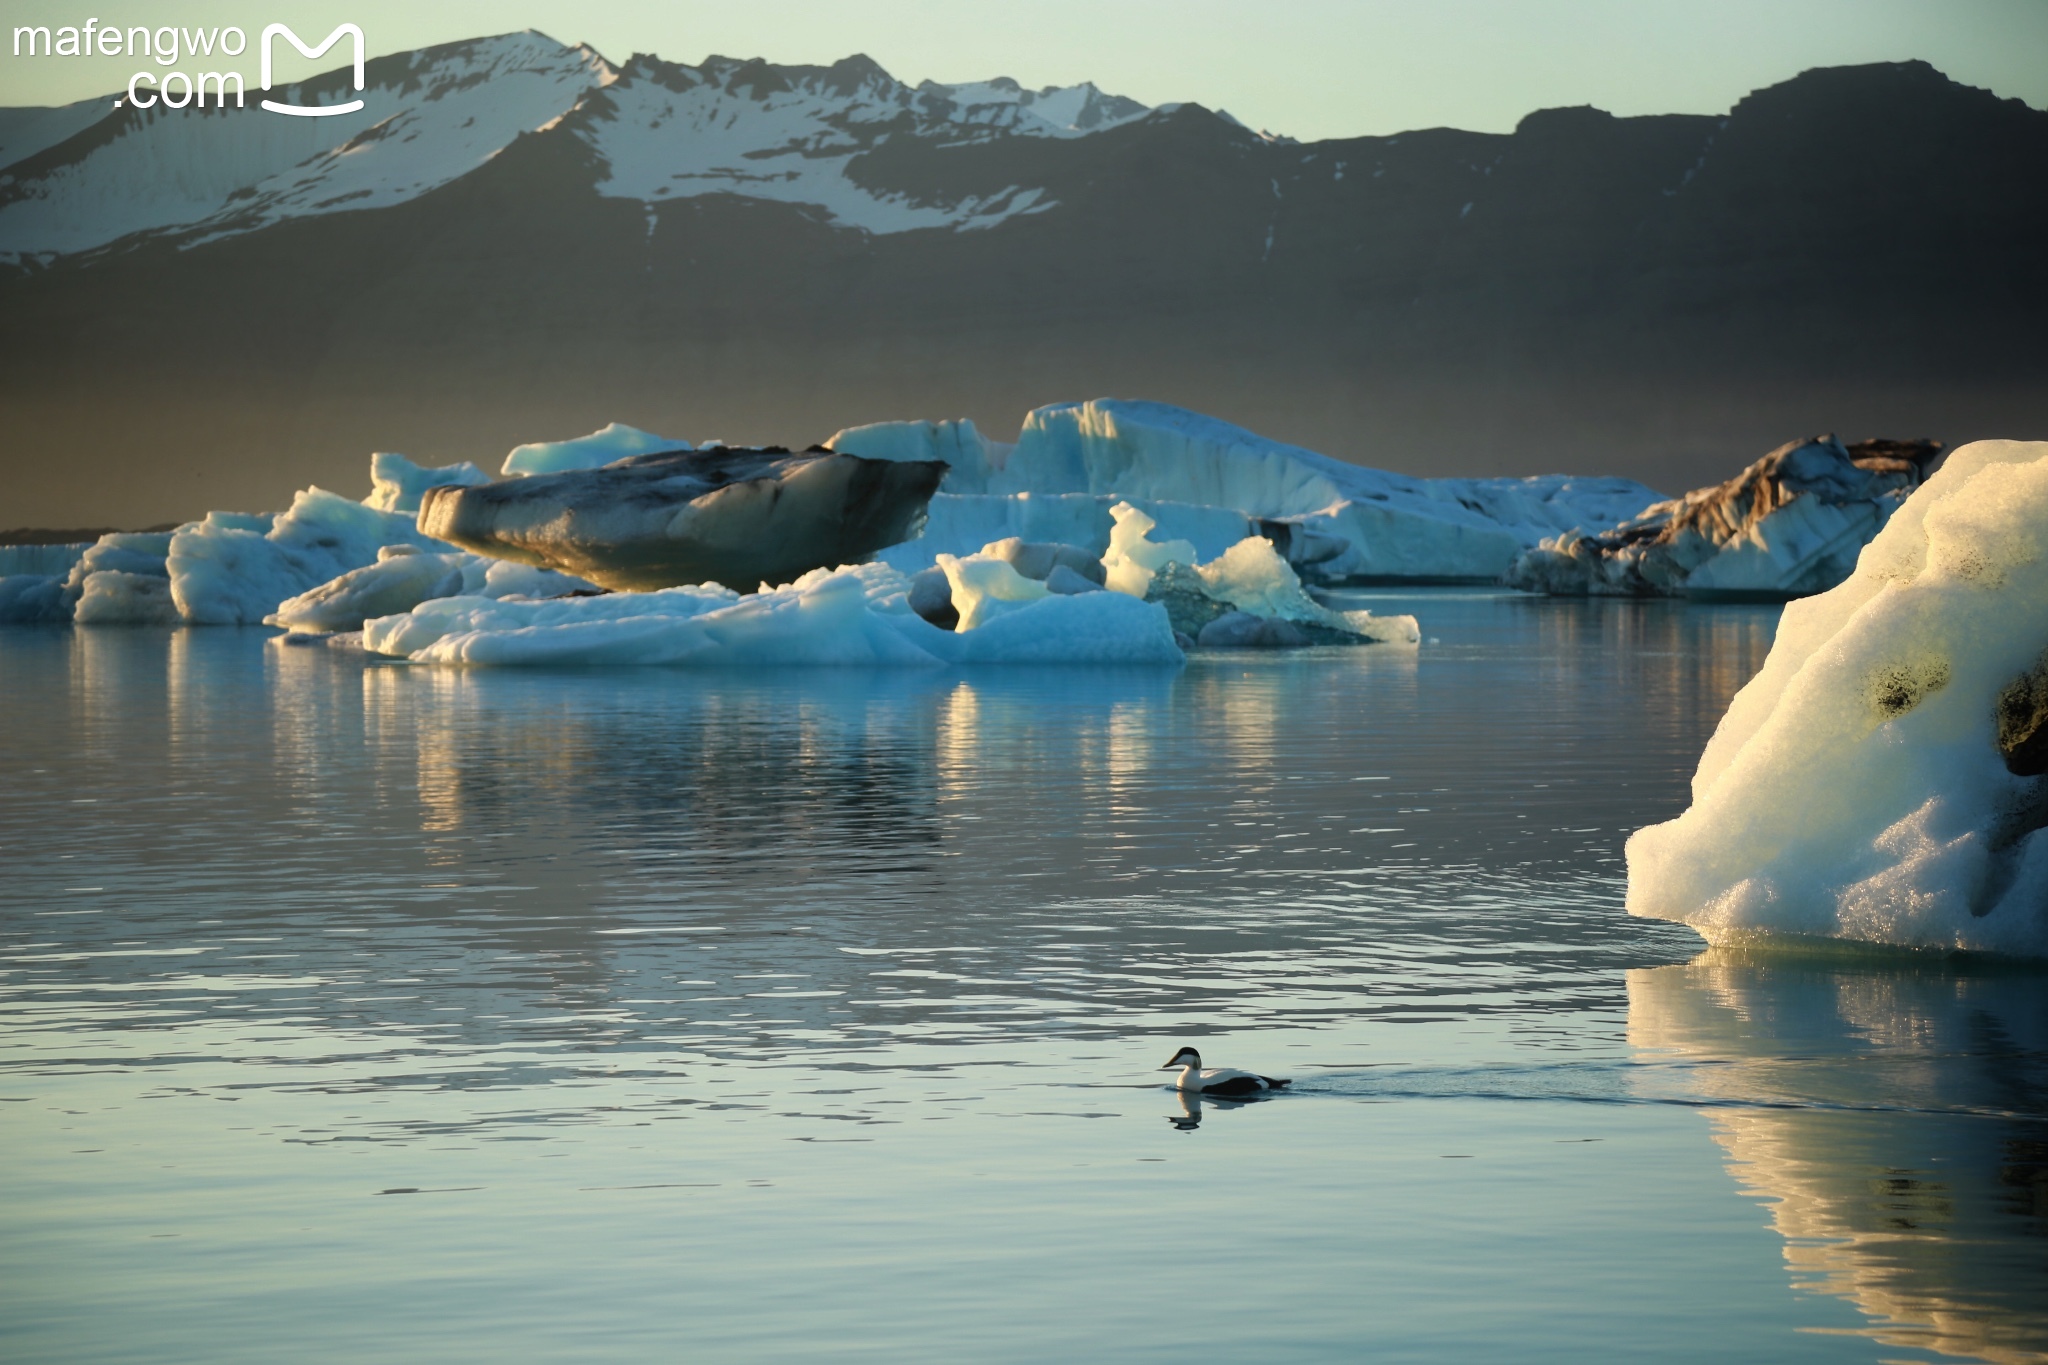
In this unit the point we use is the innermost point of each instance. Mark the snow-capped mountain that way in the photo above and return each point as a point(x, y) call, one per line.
point(90, 174)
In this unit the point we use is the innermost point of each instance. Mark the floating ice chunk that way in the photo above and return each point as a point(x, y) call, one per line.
point(984, 586)
point(125, 555)
point(850, 616)
point(393, 584)
point(614, 441)
point(1252, 577)
point(402, 578)
point(141, 552)
point(1249, 578)
point(396, 482)
point(223, 571)
point(114, 598)
point(1132, 560)
point(1882, 778)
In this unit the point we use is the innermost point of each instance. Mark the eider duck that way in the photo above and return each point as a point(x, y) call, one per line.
point(1216, 1080)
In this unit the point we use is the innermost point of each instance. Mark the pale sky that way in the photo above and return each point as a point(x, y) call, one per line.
point(1309, 68)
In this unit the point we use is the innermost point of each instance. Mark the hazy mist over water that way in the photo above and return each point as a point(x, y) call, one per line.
point(351, 1010)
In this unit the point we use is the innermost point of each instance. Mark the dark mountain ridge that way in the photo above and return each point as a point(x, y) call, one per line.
point(1856, 249)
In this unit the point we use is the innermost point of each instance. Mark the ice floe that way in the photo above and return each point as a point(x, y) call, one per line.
point(1789, 525)
point(850, 616)
point(1885, 776)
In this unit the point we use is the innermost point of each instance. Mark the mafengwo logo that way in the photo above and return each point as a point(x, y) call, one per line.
point(168, 46)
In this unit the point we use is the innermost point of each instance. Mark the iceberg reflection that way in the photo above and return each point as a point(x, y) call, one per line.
point(1894, 1118)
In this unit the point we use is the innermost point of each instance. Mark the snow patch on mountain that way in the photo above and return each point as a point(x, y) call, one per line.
point(667, 131)
point(428, 117)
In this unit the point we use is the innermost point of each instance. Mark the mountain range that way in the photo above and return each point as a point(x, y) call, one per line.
point(517, 240)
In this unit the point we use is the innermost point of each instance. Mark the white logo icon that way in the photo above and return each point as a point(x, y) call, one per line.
point(313, 111)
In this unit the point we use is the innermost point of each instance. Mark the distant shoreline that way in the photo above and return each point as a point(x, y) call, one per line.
point(44, 535)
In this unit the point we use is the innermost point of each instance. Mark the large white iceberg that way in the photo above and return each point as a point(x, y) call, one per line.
point(1789, 525)
point(1343, 521)
point(1885, 776)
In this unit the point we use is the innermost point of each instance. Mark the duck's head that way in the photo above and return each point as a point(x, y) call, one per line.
point(1187, 1056)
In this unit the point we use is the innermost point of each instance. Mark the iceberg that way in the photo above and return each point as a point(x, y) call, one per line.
point(613, 441)
point(733, 516)
point(1884, 777)
point(851, 616)
point(1789, 525)
point(1337, 521)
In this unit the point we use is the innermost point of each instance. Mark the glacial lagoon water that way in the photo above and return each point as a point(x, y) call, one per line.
point(356, 1011)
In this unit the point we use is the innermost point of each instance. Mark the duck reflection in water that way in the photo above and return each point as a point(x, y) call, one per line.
point(1192, 1102)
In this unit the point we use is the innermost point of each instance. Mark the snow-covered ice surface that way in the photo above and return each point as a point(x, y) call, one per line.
point(428, 117)
point(1882, 778)
point(1344, 521)
point(1789, 525)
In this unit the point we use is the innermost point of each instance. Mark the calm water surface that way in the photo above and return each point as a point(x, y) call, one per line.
point(358, 1011)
